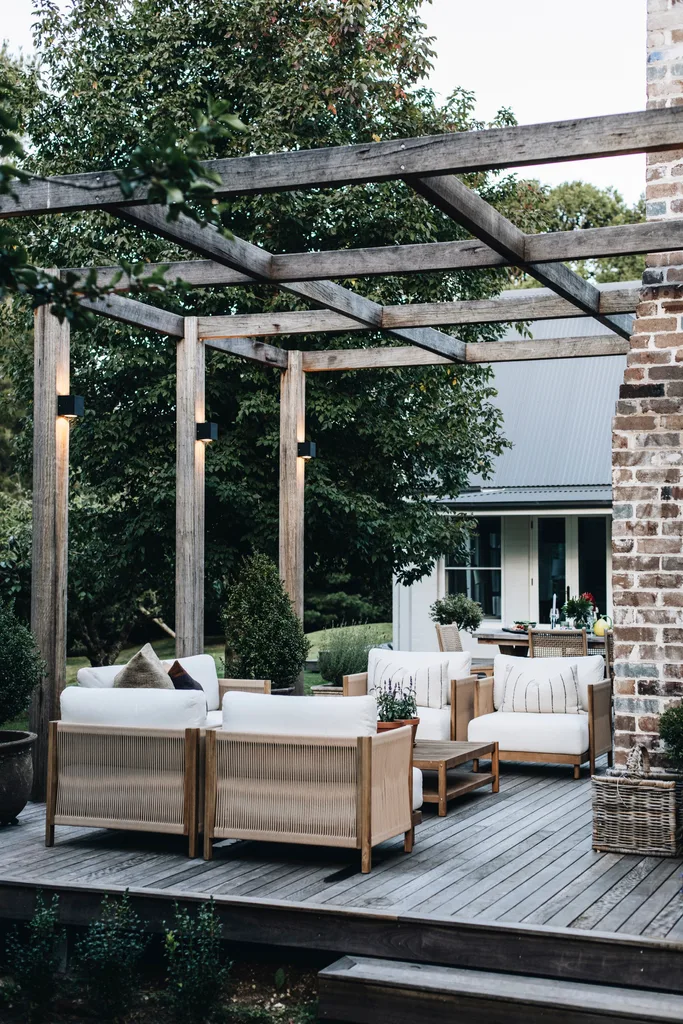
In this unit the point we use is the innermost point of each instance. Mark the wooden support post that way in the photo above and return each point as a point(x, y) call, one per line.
point(50, 527)
point(190, 410)
point(292, 430)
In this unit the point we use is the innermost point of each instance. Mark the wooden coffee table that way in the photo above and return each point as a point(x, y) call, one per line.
point(442, 757)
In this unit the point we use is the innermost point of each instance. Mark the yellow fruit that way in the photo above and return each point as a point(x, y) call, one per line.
point(602, 625)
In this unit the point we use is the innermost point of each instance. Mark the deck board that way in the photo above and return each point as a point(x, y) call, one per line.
point(523, 856)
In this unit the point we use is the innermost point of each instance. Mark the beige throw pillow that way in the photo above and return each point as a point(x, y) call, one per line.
point(557, 695)
point(144, 671)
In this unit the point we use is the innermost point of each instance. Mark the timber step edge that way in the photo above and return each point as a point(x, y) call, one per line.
point(372, 991)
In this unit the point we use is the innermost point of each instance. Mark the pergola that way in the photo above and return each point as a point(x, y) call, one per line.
point(428, 165)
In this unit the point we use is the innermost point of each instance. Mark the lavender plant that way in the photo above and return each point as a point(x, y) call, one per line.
point(396, 701)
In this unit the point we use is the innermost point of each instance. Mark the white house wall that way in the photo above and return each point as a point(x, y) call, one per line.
point(413, 630)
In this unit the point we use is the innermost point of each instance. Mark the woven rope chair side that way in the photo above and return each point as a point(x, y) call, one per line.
point(557, 643)
point(449, 638)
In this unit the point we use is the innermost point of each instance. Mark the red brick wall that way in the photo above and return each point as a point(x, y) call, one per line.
point(647, 454)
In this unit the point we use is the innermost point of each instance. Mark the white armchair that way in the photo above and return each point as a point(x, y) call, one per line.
point(569, 739)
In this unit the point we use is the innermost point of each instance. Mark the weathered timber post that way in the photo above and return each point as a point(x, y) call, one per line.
point(190, 504)
point(292, 430)
point(50, 526)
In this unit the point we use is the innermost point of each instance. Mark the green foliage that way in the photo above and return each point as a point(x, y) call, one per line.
point(671, 731)
point(32, 956)
point(262, 634)
point(21, 666)
point(327, 605)
point(396, 701)
point(197, 971)
point(342, 652)
point(458, 609)
point(312, 74)
point(108, 956)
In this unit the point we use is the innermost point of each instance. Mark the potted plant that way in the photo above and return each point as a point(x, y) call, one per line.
point(579, 609)
point(21, 670)
point(396, 706)
point(458, 610)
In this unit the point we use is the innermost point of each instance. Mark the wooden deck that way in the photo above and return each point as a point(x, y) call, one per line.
point(521, 858)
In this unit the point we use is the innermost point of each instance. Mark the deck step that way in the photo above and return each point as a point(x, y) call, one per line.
point(369, 991)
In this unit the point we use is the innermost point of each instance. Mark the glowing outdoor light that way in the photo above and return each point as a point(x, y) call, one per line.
point(70, 406)
point(306, 450)
point(207, 431)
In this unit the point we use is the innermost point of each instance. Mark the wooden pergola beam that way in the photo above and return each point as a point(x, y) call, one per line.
point(525, 349)
point(474, 213)
point(454, 153)
point(548, 247)
point(238, 254)
point(527, 305)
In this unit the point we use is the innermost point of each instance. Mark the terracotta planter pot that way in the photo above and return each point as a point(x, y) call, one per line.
point(16, 772)
point(414, 722)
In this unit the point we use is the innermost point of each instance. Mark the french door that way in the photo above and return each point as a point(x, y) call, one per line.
point(569, 555)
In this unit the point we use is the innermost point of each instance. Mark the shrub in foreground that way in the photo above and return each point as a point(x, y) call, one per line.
point(108, 956)
point(197, 973)
point(32, 957)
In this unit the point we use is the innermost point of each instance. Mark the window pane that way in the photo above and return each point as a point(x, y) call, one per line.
point(484, 545)
point(593, 558)
point(482, 585)
point(551, 565)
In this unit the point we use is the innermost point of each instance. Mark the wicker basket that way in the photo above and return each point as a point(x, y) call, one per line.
point(636, 815)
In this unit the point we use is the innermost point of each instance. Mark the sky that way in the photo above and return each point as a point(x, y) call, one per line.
point(545, 60)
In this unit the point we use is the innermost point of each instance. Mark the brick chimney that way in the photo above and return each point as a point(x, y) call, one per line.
point(647, 451)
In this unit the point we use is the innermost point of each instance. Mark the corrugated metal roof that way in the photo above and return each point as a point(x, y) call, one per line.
point(557, 412)
point(516, 497)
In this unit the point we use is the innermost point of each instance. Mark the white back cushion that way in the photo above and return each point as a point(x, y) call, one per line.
point(159, 709)
point(275, 715)
point(385, 664)
point(590, 670)
point(525, 691)
point(201, 667)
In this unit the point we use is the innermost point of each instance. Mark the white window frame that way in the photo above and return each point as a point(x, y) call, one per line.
point(443, 568)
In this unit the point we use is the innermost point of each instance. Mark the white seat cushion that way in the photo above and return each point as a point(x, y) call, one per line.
point(201, 667)
point(158, 709)
point(435, 724)
point(537, 734)
point(214, 719)
point(274, 715)
point(417, 789)
point(590, 670)
point(431, 671)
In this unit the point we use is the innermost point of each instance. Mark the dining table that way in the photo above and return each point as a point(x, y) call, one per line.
point(516, 642)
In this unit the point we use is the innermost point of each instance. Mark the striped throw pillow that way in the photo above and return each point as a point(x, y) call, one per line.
point(430, 679)
point(558, 695)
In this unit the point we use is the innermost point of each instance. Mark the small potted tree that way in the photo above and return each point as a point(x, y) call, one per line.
point(21, 670)
point(455, 610)
point(396, 706)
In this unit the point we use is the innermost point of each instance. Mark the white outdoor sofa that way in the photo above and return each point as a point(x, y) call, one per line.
point(447, 707)
point(302, 770)
point(201, 667)
point(571, 739)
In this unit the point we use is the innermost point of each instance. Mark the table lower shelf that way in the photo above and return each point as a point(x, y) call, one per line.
point(459, 783)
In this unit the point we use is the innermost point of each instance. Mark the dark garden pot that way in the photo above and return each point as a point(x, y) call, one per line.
point(16, 772)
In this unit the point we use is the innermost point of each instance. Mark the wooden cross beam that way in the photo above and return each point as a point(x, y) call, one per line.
point(548, 247)
point(245, 257)
point(454, 153)
point(469, 209)
point(534, 304)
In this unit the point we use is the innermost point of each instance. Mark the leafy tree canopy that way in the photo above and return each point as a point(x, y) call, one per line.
point(114, 79)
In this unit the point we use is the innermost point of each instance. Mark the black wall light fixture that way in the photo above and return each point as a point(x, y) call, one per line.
point(70, 406)
point(306, 449)
point(207, 431)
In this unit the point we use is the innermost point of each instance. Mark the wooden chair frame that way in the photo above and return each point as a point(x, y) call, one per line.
point(330, 791)
point(448, 637)
point(241, 686)
point(108, 777)
point(461, 705)
point(599, 727)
